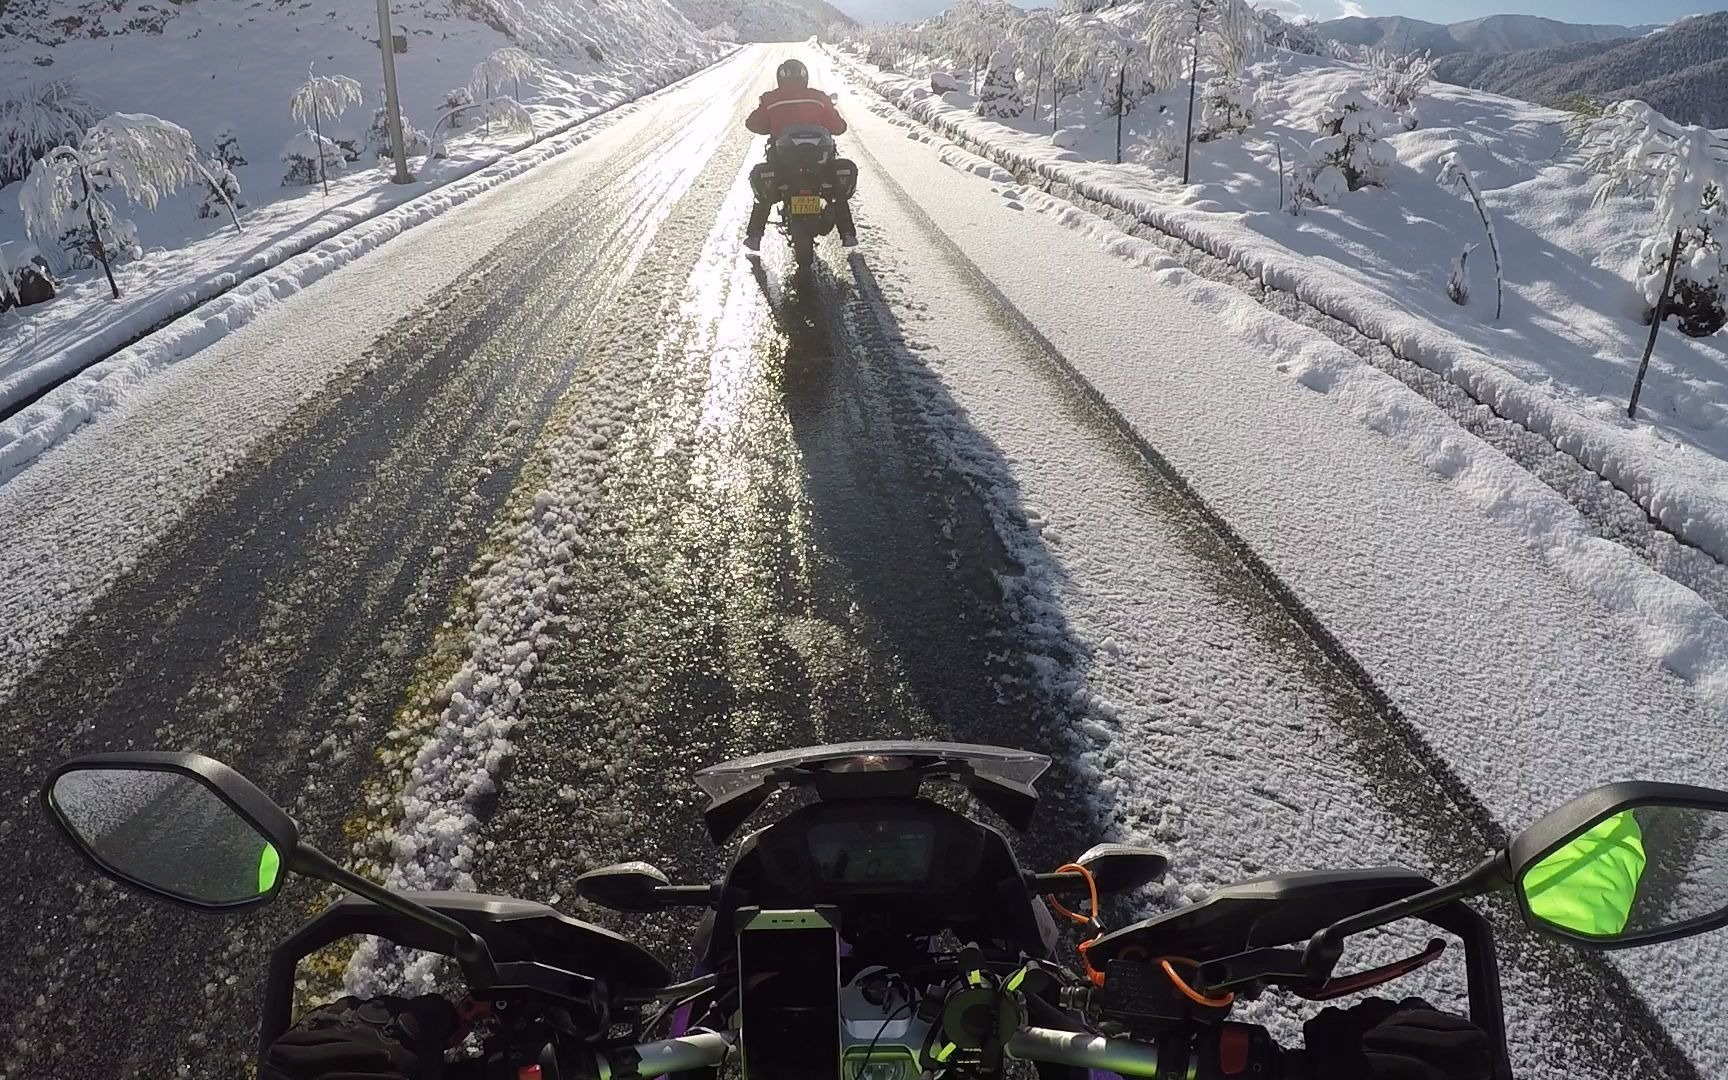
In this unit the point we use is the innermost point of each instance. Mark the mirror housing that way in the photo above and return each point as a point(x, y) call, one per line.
point(273, 824)
point(1635, 860)
point(1120, 868)
point(628, 886)
point(232, 791)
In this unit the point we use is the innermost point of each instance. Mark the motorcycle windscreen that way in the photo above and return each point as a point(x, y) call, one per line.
point(789, 996)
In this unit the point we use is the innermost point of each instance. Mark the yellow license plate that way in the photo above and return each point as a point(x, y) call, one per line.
point(806, 204)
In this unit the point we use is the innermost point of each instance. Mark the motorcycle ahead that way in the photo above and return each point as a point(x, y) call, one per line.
point(803, 175)
point(873, 933)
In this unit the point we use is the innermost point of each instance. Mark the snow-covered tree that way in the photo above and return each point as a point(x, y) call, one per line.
point(1073, 58)
point(228, 147)
point(1685, 171)
point(1117, 51)
point(415, 142)
point(500, 68)
point(1398, 80)
point(142, 158)
point(37, 117)
point(1453, 174)
point(1352, 147)
point(320, 98)
point(999, 98)
point(505, 110)
point(1036, 37)
point(1182, 34)
point(1297, 37)
point(221, 190)
point(1226, 108)
point(974, 29)
point(311, 157)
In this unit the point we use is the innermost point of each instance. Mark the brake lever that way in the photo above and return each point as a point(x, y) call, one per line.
point(1365, 980)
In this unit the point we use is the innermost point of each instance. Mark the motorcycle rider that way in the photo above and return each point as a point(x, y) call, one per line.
point(794, 102)
point(393, 1038)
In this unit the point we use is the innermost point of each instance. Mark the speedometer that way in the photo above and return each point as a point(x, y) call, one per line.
point(888, 853)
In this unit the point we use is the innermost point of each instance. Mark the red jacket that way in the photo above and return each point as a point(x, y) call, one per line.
point(786, 106)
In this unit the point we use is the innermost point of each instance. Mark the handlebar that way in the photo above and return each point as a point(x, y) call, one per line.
point(705, 1049)
point(1124, 1057)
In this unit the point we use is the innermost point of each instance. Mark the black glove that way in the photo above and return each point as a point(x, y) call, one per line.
point(386, 1038)
point(1380, 1040)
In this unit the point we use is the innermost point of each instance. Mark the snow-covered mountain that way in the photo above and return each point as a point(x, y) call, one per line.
point(1682, 70)
point(1494, 34)
point(765, 20)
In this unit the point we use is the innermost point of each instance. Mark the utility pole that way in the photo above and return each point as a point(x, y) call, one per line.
point(392, 103)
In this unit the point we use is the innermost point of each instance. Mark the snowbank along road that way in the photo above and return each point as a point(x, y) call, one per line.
point(473, 551)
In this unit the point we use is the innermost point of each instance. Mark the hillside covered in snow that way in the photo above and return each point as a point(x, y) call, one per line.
point(1493, 34)
point(765, 20)
point(1682, 70)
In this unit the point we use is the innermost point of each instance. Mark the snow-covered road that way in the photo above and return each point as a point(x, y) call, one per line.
point(486, 541)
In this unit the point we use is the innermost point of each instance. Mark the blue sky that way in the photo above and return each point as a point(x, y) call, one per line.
point(1621, 12)
point(1575, 11)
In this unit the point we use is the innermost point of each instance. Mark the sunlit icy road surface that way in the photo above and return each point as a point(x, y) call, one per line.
point(645, 504)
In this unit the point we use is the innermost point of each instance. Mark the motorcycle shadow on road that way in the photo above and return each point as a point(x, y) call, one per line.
point(920, 514)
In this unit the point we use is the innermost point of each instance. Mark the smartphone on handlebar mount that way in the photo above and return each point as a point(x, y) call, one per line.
point(789, 993)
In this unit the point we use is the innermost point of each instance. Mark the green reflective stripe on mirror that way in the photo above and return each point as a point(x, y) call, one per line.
point(269, 865)
point(1588, 885)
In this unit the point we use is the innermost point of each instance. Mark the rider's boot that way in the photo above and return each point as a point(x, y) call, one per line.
point(843, 223)
point(758, 222)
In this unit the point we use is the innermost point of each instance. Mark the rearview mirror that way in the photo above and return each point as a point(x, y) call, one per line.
point(623, 886)
point(178, 826)
point(1119, 868)
point(1627, 864)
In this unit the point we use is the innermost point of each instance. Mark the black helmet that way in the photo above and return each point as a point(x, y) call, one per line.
point(793, 71)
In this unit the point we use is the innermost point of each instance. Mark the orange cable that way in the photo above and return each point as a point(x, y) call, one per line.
point(1188, 991)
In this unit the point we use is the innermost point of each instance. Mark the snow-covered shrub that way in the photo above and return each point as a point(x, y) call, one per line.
point(221, 191)
point(301, 154)
point(1398, 80)
point(1302, 193)
point(1227, 108)
point(455, 104)
point(1327, 183)
point(1158, 149)
point(415, 142)
point(228, 147)
point(1352, 145)
point(1458, 281)
point(25, 278)
point(1685, 170)
point(37, 117)
point(140, 157)
point(999, 97)
point(943, 83)
point(1453, 174)
point(1698, 293)
point(1067, 138)
point(726, 32)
